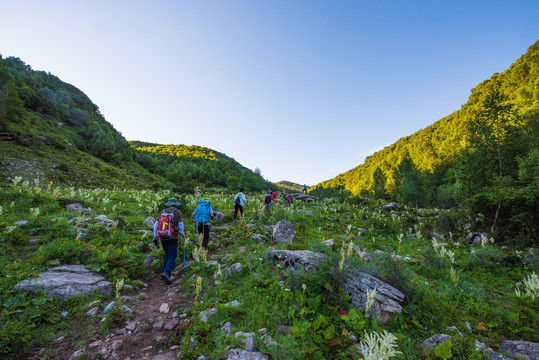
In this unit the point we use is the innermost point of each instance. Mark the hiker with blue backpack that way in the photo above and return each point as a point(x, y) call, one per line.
point(203, 216)
point(239, 201)
point(168, 228)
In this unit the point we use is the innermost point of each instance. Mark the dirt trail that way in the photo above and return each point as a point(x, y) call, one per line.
point(145, 335)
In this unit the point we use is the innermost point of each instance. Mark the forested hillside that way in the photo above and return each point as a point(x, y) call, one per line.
point(189, 166)
point(52, 131)
point(439, 143)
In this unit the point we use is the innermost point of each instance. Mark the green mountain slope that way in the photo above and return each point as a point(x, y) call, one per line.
point(289, 186)
point(190, 166)
point(50, 130)
point(438, 143)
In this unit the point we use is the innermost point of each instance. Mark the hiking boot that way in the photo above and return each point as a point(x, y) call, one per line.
point(166, 277)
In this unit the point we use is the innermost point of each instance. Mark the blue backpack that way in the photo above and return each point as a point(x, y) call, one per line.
point(202, 213)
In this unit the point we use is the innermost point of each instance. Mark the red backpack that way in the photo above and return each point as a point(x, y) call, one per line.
point(165, 225)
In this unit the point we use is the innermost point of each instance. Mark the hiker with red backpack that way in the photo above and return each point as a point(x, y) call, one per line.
point(168, 228)
point(203, 216)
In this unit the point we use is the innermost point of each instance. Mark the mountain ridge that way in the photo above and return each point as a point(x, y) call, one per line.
point(438, 143)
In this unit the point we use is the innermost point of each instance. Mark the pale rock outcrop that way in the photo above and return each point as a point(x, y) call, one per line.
point(521, 349)
point(66, 281)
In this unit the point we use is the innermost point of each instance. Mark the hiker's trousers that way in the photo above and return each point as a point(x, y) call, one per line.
point(205, 230)
point(171, 252)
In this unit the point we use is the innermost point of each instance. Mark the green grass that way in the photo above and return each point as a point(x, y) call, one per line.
point(270, 297)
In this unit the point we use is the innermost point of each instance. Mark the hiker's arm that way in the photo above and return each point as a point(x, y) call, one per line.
point(155, 230)
point(180, 227)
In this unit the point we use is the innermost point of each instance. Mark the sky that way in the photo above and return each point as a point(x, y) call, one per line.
point(302, 90)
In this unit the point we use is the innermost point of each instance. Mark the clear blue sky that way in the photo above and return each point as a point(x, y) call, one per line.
point(303, 90)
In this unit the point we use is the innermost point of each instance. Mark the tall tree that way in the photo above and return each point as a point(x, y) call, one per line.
point(493, 146)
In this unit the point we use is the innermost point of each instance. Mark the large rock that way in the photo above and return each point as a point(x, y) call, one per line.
point(489, 353)
point(521, 349)
point(355, 283)
point(386, 301)
point(391, 206)
point(76, 207)
point(66, 281)
point(149, 222)
point(283, 232)
point(306, 212)
point(218, 216)
point(428, 346)
point(293, 260)
point(302, 197)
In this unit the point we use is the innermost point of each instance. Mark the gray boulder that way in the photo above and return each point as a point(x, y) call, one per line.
point(428, 346)
point(329, 242)
point(302, 197)
point(521, 349)
point(149, 222)
point(386, 301)
point(306, 212)
point(293, 260)
point(66, 281)
point(76, 207)
point(355, 283)
point(247, 339)
point(233, 269)
point(283, 232)
point(218, 216)
point(489, 353)
point(391, 206)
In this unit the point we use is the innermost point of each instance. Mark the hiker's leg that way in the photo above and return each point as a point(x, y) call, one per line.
point(171, 253)
point(241, 210)
point(200, 228)
point(236, 207)
point(206, 237)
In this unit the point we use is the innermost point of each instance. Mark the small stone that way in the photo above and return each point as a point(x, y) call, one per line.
point(77, 354)
point(95, 344)
point(147, 348)
point(164, 308)
point(60, 339)
point(117, 345)
point(131, 326)
point(171, 324)
point(120, 332)
point(93, 311)
point(158, 326)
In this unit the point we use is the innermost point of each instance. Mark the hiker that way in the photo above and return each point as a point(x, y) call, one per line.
point(274, 196)
point(267, 201)
point(239, 200)
point(305, 188)
point(289, 199)
point(168, 228)
point(203, 216)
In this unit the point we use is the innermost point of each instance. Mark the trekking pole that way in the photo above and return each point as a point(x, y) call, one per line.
point(183, 243)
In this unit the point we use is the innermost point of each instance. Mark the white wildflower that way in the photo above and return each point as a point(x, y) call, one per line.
point(379, 346)
point(531, 284)
point(370, 300)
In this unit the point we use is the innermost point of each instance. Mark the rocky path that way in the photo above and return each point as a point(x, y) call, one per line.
point(145, 336)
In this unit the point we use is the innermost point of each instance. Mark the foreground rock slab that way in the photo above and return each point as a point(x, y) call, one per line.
point(356, 283)
point(66, 281)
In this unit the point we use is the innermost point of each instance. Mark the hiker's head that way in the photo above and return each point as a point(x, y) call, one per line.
point(241, 189)
point(172, 202)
